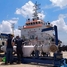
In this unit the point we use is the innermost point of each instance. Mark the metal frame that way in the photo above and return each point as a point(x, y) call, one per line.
point(56, 33)
point(45, 60)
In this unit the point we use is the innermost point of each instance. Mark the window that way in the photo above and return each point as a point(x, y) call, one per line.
point(39, 22)
point(31, 23)
point(36, 22)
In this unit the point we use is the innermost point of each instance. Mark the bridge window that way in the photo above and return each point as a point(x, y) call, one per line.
point(27, 24)
point(39, 22)
point(31, 23)
point(36, 22)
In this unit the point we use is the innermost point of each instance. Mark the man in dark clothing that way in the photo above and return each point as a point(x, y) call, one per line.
point(19, 44)
point(9, 49)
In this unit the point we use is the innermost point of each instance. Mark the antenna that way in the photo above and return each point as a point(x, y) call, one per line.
point(35, 14)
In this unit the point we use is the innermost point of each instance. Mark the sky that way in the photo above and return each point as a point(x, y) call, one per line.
point(17, 11)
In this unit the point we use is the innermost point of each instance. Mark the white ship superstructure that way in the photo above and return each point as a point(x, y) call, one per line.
point(32, 31)
point(33, 27)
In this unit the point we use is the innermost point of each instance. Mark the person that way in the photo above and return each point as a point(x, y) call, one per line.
point(19, 44)
point(9, 49)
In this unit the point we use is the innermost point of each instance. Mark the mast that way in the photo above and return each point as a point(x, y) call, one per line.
point(12, 26)
point(36, 8)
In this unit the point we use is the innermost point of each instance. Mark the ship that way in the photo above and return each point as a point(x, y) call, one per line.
point(34, 38)
point(33, 27)
point(32, 33)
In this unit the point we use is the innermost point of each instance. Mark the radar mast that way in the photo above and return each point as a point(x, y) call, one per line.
point(36, 8)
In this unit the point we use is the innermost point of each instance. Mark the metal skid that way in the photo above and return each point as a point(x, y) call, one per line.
point(46, 60)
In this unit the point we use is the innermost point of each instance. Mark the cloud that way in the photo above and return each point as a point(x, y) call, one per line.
point(59, 3)
point(61, 24)
point(17, 32)
point(27, 10)
point(62, 27)
point(6, 26)
point(48, 6)
point(13, 20)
